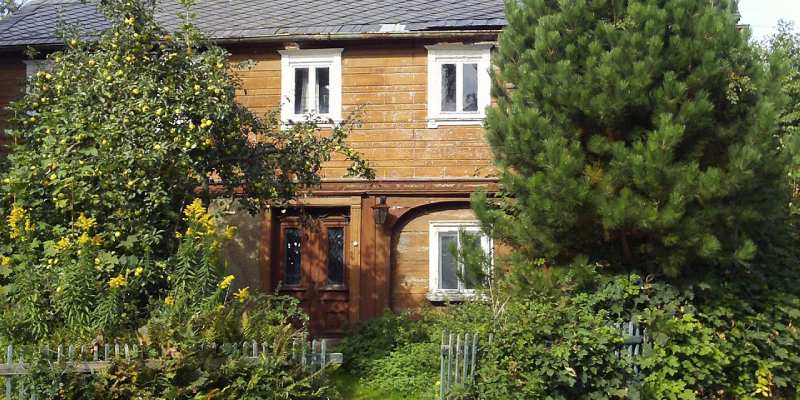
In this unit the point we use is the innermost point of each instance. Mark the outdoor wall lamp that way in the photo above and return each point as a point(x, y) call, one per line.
point(380, 211)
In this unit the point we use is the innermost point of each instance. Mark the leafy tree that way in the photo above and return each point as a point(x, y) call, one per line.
point(640, 134)
point(786, 43)
point(108, 149)
point(7, 7)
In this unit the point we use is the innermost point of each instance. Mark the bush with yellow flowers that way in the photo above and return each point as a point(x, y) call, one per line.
point(109, 148)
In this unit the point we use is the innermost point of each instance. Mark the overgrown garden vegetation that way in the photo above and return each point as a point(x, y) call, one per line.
point(648, 157)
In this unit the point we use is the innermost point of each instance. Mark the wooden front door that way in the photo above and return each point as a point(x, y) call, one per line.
point(312, 266)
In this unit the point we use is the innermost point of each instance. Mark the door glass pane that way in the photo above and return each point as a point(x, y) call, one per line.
point(323, 92)
point(448, 267)
point(293, 248)
point(470, 87)
point(336, 256)
point(448, 87)
point(300, 91)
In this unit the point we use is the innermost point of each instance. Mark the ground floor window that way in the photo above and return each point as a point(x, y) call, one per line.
point(449, 280)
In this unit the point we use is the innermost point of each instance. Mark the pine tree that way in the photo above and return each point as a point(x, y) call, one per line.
point(639, 133)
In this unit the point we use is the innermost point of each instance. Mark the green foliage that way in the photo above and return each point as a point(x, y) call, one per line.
point(7, 7)
point(194, 331)
point(108, 148)
point(786, 44)
point(397, 355)
point(409, 371)
point(640, 134)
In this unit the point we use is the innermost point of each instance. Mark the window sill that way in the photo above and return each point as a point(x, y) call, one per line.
point(325, 123)
point(333, 288)
point(439, 296)
point(455, 121)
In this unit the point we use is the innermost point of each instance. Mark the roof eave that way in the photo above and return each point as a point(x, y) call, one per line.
point(330, 37)
point(318, 37)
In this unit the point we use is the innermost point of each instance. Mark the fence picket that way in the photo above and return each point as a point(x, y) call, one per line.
point(9, 362)
point(442, 384)
point(474, 356)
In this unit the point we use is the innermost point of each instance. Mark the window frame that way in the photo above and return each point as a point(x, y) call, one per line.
point(434, 252)
point(32, 67)
point(312, 59)
point(458, 54)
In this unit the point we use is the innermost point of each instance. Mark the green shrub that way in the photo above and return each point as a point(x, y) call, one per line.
point(556, 348)
point(397, 354)
point(410, 370)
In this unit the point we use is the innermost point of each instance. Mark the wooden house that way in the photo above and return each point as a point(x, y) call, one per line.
point(419, 69)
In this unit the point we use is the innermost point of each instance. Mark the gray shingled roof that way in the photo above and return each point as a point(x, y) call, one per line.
point(38, 21)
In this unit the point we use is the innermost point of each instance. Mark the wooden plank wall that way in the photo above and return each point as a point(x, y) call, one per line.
point(388, 81)
point(12, 78)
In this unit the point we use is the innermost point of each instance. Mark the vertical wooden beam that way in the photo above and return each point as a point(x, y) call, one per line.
point(354, 265)
point(367, 292)
point(265, 251)
point(382, 248)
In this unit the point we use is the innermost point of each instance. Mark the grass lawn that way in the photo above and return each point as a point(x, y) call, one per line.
point(351, 388)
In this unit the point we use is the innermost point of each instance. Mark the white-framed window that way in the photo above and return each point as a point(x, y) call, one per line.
point(311, 84)
point(447, 274)
point(459, 84)
point(34, 66)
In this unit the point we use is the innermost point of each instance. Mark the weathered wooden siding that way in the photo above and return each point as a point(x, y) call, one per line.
point(388, 82)
point(409, 276)
point(12, 77)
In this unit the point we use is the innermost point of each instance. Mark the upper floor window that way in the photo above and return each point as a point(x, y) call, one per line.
point(448, 278)
point(458, 84)
point(311, 84)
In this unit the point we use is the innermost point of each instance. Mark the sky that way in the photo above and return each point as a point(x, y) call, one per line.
point(763, 15)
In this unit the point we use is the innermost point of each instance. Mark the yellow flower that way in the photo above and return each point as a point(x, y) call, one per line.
point(63, 244)
point(138, 271)
point(135, 91)
point(129, 21)
point(169, 300)
point(84, 239)
point(5, 261)
point(178, 235)
point(230, 232)
point(85, 223)
point(117, 282)
point(226, 282)
point(97, 240)
point(17, 217)
point(243, 294)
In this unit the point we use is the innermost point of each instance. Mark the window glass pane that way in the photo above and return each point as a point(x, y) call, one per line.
point(336, 256)
point(448, 87)
point(470, 87)
point(448, 267)
point(300, 90)
point(293, 247)
point(470, 240)
point(323, 92)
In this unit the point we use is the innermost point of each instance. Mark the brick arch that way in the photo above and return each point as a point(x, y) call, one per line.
point(409, 250)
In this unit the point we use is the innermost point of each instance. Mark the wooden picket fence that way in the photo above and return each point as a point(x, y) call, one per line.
point(93, 359)
point(459, 354)
point(458, 357)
